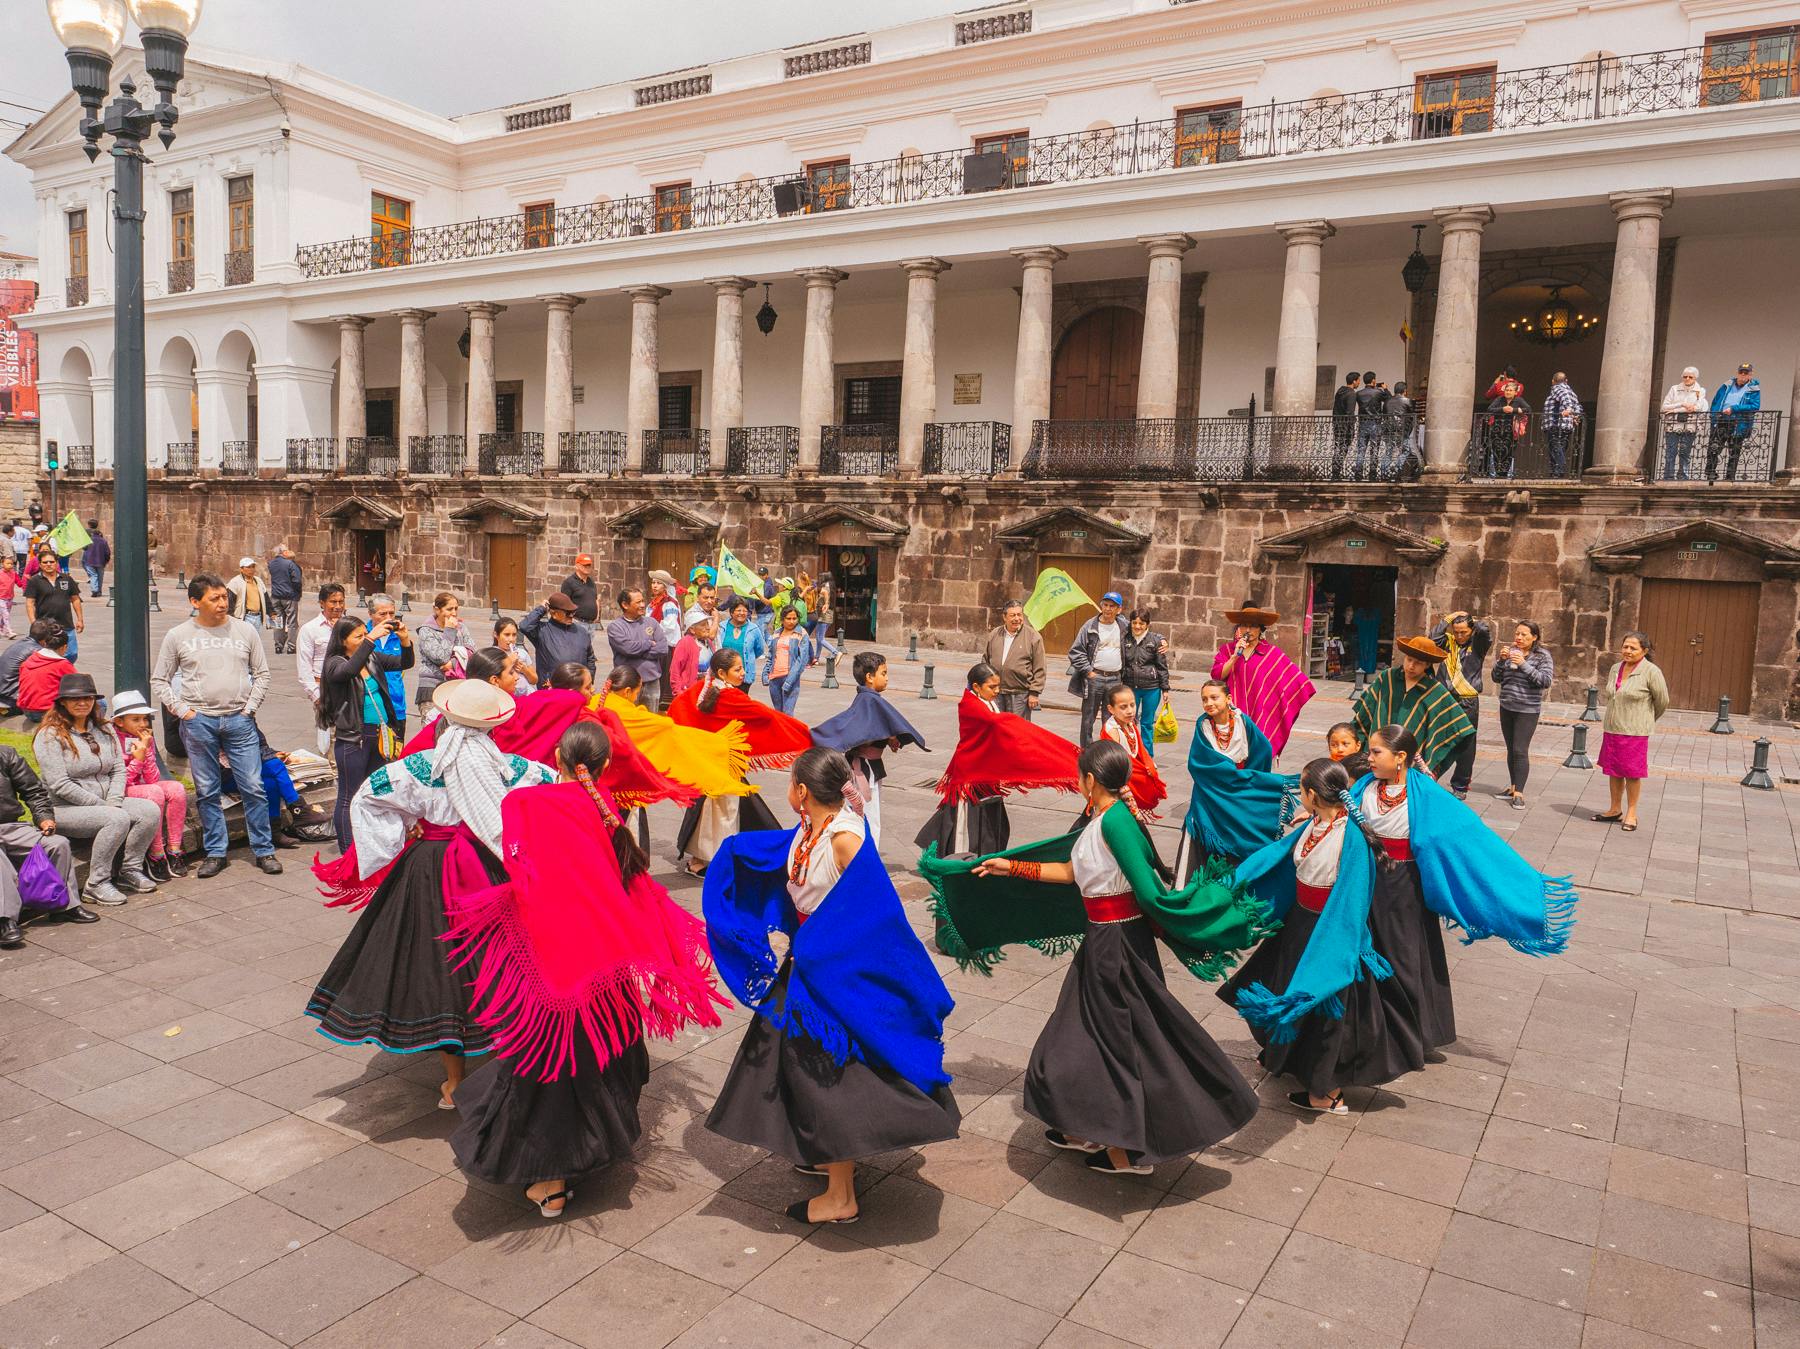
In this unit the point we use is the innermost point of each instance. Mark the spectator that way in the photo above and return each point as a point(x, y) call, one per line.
point(1734, 409)
point(133, 722)
point(556, 635)
point(94, 559)
point(1016, 651)
point(13, 657)
point(55, 595)
point(637, 640)
point(1522, 672)
point(10, 582)
point(1343, 424)
point(357, 706)
point(664, 605)
point(284, 597)
point(21, 544)
point(309, 654)
point(84, 772)
point(579, 585)
point(1505, 426)
point(1096, 659)
point(765, 616)
point(1145, 672)
point(706, 601)
point(742, 635)
point(249, 591)
point(22, 789)
point(1398, 431)
point(790, 652)
point(381, 612)
point(289, 816)
point(224, 676)
point(442, 644)
point(1636, 697)
point(1466, 643)
point(692, 653)
point(1682, 407)
point(1371, 419)
point(525, 675)
point(42, 671)
point(1562, 414)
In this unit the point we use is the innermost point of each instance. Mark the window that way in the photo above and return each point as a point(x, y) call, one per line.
point(1751, 67)
point(675, 407)
point(390, 230)
point(78, 252)
point(1016, 146)
point(540, 224)
point(872, 400)
point(181, 240)
point(828, 185)
point(1457, 103)
point(1208, 135)
point(240, 249)
point(674, 207)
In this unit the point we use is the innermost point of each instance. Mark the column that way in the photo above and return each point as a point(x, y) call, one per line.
point(478, 417)
point(105, 457)
point(411, 419)
point(918, 369)
point(1450, 388)
point(1787, 474)
point(352, 385)
point(1031, 365)
point(640, 392)
point(727, 362)
point(1159, 366)
point(818, 372)
point(559, 375)
point(1297, 339)
point(224, 397)
point(211, 235)
point(167, 415)
point(293, 402)
point(1622, 411)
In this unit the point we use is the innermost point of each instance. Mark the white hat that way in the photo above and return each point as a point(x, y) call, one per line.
point(473, 702)
point(246, 562)
point(131, 703)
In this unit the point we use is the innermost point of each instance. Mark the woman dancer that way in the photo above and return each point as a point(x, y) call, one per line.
point(353, 684)
point(1238, 804)
point(866, 730)
point(1146, 790)
point(845, 1058)
point(1122, 1071)
point(713, 763)
point(1636, 697)
point(580, 955)
point(427, 831)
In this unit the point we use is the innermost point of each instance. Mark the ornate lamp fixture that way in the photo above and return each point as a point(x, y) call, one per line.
point(765, 317)
point(1555, 322)
point(1417, 269)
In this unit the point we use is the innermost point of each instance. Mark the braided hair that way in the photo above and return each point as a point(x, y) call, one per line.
point(1330, 781)
point(584, 751)
point(722, 660)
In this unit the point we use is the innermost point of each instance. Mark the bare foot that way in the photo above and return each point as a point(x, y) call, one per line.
point(446, 1096)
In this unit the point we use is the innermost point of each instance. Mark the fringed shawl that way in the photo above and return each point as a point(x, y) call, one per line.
point(775, 739)
point(1429, 710)
point(1148, 790)
point(1235, 811)
point(869, 720)
point(862, 986)
point(1269, 686)
point(712, 762)
point(998, 753)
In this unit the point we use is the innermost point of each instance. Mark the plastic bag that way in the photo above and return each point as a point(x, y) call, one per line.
point(1167, 730)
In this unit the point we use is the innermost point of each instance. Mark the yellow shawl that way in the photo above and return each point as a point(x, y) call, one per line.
point(713, 762)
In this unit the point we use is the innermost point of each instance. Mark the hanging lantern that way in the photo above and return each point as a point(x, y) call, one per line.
point(462, 344)
point(1417, 270)
point(1554, 322)
point(765, 317)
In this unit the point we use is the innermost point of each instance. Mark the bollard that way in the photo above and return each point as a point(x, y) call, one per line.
point(109, 600)
point(362, 598)
point(1362, 677)
point(830, 673)
point(912, 647)
point(927, 691)
point(406, 601)
point(496, 604)
point(1722, 724)
point(1592, 711)
point(181, 580)
point(840, 637)
point(155, 601)
point(1578, 755)
point(1758, 776)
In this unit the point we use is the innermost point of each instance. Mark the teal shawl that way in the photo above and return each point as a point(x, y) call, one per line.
point(1234, 811)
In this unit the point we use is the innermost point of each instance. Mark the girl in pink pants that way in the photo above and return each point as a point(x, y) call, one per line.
point(132, 718)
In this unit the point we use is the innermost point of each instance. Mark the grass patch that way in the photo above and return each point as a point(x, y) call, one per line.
point(21, 741)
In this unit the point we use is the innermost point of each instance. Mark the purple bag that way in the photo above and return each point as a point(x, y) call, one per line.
point(40, 883)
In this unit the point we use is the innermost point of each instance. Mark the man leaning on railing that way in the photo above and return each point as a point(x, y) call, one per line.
point(1734, 409)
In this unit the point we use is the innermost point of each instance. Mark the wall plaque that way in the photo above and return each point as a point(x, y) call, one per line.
point(968, 389)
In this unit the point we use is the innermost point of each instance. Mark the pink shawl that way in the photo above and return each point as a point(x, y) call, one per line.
point(1269, 686)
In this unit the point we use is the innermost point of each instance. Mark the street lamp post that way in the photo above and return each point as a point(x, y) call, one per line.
point(91, 31)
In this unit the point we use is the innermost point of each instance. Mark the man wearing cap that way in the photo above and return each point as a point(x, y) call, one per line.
point(1096, 659)
point(285, 582)
point(1016, 651)
point(1734, 409)
point(249, 591)
point(1262, 679)
point(580, 587)
point(557, 635)
point(1465, 644)
point(1406, 695)
point(22, 789)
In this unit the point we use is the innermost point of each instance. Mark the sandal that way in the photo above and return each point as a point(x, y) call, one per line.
point(543, 1205)
point(1608, 819)
point(1102, 1162)
point(445, 1101)
point(803, 1170)
point(1056, 1138)
point(801, 1210)
point(1303, 1101)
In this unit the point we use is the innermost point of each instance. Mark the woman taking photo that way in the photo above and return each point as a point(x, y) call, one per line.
point(790, 652)
point(1636, 697)
point(1144, 670)
point(525, 675)
point(443, 645)
point(357, 708)
point(1522, 672)
point(83, 769)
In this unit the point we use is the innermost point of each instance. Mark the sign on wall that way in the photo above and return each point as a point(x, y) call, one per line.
point(18, 354)
point(968, 389)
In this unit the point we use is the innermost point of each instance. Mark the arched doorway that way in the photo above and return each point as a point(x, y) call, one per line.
point(1094, 375)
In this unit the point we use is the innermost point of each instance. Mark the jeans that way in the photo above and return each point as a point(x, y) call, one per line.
point(126, 827)
point(284, 617)
point(356, 759)
point(255, 620)
point(1556, 441)
point(74, 643)
point(1148, 700)
point(650, 695)
point(1517, 728)
point(783, 700)
point(1019, 704)
point(1091, 707)
point(235, 735)
point(1464, 758)
point(1368, 451)
point(1678, 446)
point(96, 579)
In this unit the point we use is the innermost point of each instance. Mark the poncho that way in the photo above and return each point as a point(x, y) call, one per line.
point(998, 753)
point(775, 739)
point(1428, 709)
point(869, 720)
point(711, 762)
point(1267, 685)
point(1234, 811)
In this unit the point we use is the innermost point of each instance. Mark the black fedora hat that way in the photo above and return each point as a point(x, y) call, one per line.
point(76, 686)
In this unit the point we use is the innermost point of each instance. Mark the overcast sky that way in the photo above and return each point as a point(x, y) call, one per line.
point(447, 56)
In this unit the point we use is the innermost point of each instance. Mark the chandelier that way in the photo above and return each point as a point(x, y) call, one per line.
point(1554, 322)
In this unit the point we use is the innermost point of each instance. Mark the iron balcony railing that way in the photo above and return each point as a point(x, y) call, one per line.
point(511, 453)
point(75, 291)
point(591, 454)
point(311, 455)
point(1222, 449)
point(237, 459)
point(181, 275)
point(184, 457)
point(371, 456)
point(762, 451)
point(678, 452)
point(435, 456)
point(967, 449)
point(78, 461)
point(1716, 447)
point(1518, 447)
point(240, 267)
point(1601, 89)
point(859, 451)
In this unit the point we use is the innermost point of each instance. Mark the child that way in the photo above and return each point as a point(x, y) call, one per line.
point(1345, 745)
point(133, 722)
point(304, 821)
point(9, 586)
point(865, 730)
point(1146, 790)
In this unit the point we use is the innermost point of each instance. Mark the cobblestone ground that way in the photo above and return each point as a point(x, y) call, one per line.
point(1608, 1157)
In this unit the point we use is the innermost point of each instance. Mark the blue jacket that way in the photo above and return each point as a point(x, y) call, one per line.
point(796, 667)
point(752, 643)
point(1749, 403)
point(394, 679)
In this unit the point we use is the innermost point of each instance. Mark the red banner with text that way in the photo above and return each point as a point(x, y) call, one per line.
point(18, 354)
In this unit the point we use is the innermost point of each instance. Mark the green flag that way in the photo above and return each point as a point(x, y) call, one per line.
point(735, 576)
point(69, 537)
point(1055, 593)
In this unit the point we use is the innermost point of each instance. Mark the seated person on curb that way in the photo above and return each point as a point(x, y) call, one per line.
point(20, 788)
point(290, 818)
point(42, 670)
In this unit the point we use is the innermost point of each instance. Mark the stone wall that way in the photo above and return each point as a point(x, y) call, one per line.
point(18, 466)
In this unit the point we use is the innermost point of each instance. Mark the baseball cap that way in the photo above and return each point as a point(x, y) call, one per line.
point(246, 562)
point(584, 560)
point(1744, 367)
point(1115, 597)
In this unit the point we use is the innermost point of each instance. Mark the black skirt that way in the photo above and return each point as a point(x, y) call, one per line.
point(785, 1095)
point(516, 1130)
point(990, 831)
point(1121, 1062)
point(753, 813)
point(391, 982)
point(1411, 936)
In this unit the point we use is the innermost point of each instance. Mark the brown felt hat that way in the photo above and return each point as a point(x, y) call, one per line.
point(1422, 647)
point(1252, 618)
point(561, 603)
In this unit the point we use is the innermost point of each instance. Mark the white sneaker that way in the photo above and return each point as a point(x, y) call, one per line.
point(136, 882)
point(102, 892)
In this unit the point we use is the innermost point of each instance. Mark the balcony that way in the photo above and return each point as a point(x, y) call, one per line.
point(511, 454)
point(967, 449)
point(237, 459)
point(591, 454)
point(1505, 448)
point(311, 456)
point(240, 267)
point(181, 276)
point(78, 461)
point(75, 291)
point(859, 451)
point(183, 458)
point(762, 451)
point(370, 457)
point(678, 453)
point(1221, 449)
point(435, 456)
point(1715, 447)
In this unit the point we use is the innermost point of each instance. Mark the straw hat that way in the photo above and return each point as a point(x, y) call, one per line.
point(1251, 617)
point(473, 702)
point(1422, 647)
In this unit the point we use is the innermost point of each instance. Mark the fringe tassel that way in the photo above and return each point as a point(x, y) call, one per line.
point(979, 791)
point(773, 763)
point(341, 886)
point(1560, 898)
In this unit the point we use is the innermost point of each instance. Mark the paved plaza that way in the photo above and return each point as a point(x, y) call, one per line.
point(1608, 1157)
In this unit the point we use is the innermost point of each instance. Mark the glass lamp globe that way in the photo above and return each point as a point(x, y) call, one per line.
point(166, 16)
point(88, 25)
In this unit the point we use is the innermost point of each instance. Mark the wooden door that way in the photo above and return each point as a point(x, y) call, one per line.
point(506, 570)
point(675, 556)
point(1092, 574)
point(1705, 636)
point(1094, 375)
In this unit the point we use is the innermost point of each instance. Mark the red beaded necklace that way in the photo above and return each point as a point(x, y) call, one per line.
point(1387, 802)
point(802, 863)
point(1315, 836)
point(1224, 741)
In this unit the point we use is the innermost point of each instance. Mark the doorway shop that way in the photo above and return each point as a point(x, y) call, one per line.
point(854, 574)
point(371, 561)
point(1350, 619)
point(1705, 638)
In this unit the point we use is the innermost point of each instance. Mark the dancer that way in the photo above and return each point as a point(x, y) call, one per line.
point(581, 954)
point(426, 833)
point(1344, 743)
point(1407, 695)
point(1122, 1071)
point(713, 763)
point(845, 1058)
point(864, 731)
point(1261, 678)
point(996, 753)
point(1122, 726)
point(1238, 803)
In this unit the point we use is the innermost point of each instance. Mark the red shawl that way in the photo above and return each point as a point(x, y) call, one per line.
point(1269, 686)
point(997, 753)
point(776, 739)
point(566, 942)
point(1148, 790)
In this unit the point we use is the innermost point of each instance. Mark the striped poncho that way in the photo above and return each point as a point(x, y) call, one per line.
point(1428, 709)
point(1269, 686)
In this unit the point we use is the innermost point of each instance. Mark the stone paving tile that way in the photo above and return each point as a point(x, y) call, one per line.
point(210, 1251)
point(836, 1285)
point(1654, 1298)
point(310, 1288)
point(273, 1152)
point(43, 1250)
point(1268, 1324)
point(1340, 1281)
point(944, 1311)
point(97, 1306)
point(94, 1164)
point(1473, 1316)
point(198, 1323)
point(420, 1314)
point(148, 1205)
point(343, 1187)
point(628, 1302)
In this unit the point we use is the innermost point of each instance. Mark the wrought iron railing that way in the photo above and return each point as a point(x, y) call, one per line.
point(240, 266)
point(1716, 447)
point(762, 451)
point(371, 456)
point(237, 459)
point(511, 453)
point(681, 453)
point(1507, 447)
point(967, 449)
point(1545, 96)
point(311, 454)
point(591, 454)
point(181, 275)
point(1222, 449)
point(859, 451)
point(78, 461)
point(75, 291)
point(184, 457)
point(435, 456)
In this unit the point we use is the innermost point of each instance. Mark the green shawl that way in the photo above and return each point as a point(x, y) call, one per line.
point(1429, 710)
point(1207, 923)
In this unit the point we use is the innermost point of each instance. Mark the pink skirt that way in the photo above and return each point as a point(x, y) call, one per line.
point(1624, 756)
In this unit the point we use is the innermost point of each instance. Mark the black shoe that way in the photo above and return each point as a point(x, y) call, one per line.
point(267, 864)
point(211, 867)
point(11, 934)
point(157, 868)
point(75, 913)
point(176, 863)
point(798, 1212)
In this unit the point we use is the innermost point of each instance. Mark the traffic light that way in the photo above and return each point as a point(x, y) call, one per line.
point(53, 455)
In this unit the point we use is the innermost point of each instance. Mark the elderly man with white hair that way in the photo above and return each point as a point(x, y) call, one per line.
point(285, 585)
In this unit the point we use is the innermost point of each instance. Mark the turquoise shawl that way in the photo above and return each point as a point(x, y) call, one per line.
point(1234, 811)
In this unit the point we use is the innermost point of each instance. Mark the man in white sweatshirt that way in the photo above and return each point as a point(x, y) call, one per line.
point(309, 654)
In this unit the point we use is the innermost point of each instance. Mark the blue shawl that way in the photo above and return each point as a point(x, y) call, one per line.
point(1340, 948)
point(869, 720)
point(1473, 879)
point(1234, 811)
point(862, 985)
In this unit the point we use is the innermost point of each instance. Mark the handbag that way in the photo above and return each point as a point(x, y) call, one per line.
point(387, 740)
point(40, 883)
point(1166, 729)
